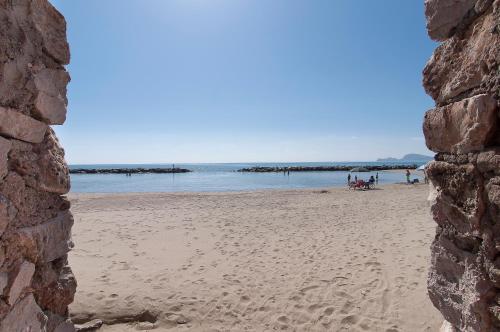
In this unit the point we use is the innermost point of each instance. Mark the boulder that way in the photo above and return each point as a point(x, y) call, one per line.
point(19, 126)
point(458, 286)
point(51, 25)
point(50, 104)
point(54, 286)
point(93, 325)
point(443, 16)
point(465, 67)
point(26, 315)
point(30, 206)
point(488, 162)
point(42, 165)
point(459, 199)
point(48, 241)
point(461, 127)
point(20, 280)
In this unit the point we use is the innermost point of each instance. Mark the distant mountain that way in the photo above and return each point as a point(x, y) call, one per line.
point(409, 157)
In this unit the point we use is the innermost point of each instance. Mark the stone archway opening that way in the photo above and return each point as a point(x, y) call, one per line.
point(36, 282)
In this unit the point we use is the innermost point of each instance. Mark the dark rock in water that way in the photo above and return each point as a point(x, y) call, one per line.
point(128, 170)
point(344, 168)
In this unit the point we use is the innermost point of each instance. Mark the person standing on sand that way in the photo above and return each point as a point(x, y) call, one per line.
point(349, 179)
point(408, 176)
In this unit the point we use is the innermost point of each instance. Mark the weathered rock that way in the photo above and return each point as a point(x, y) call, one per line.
point(447, 327)
point(488, 162)
point(4, 280)
point(459, 198)
point(54, 286)
point(20, 280)
point(463, 77)
point(458, 286)
point(443, 16)
point(25, 316)
point(52, 27)
point(51, 101)
point(7, 213)
point(34, 219)
point(42, 165)
point(58, 323)
point(31, 206)
point(91, 326)
point(462, 127)
point(465, 67)
point(48, 241)
point(4, 151)
point(17, 125)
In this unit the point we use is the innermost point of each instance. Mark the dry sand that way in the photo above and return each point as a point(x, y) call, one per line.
point(297, 260)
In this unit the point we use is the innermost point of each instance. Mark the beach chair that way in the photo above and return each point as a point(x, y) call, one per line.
point(360, 184)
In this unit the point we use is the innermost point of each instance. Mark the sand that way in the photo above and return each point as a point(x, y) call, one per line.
point(297, 260)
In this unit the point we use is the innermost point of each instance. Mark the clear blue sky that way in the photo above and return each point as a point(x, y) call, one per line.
point(244, 80)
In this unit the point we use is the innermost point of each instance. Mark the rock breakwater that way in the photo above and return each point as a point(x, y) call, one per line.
point(128, 170)
point(345, 168)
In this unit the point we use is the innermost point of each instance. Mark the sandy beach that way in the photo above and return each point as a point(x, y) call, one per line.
point(297, 260)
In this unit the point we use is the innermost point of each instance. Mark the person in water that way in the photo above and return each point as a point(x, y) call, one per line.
point(376, 178)
point(349, 179)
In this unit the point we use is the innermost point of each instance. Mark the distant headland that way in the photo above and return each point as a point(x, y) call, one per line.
point(411, 157)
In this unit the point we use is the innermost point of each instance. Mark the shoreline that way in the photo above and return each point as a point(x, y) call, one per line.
point(249, 191)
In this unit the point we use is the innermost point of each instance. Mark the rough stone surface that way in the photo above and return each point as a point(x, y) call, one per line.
point(51, 102)
point(25, 316)
point(17, 125)
point(36, 283)
point(42, 165)
point(4, 152)
point(465, 66)
point(443, 16)
point(463, 78)
point(48, 241)
point(20, 280)
point(52, 27)
point(54, 286)
point(461, 127)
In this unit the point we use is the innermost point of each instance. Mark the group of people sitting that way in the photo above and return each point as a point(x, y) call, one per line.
point(361, 184)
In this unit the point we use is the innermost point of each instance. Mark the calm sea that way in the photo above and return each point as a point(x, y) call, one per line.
point(220, 177)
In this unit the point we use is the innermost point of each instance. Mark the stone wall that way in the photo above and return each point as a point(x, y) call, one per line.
point(463, 77)
point(36, 283)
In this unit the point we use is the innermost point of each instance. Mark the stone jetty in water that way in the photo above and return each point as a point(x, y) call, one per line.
point(337, 168)
point(128, 170)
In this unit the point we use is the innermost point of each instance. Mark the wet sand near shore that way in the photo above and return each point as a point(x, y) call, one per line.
point(297, 260)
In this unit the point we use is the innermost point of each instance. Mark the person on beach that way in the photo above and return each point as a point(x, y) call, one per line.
point(376, 178)
point(349, 179)
point(408, 176)
point(355, 178)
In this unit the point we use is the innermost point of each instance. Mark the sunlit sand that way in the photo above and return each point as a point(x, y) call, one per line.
point(302, 260)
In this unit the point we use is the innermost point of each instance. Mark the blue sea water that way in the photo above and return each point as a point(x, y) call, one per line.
point(220, 177)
